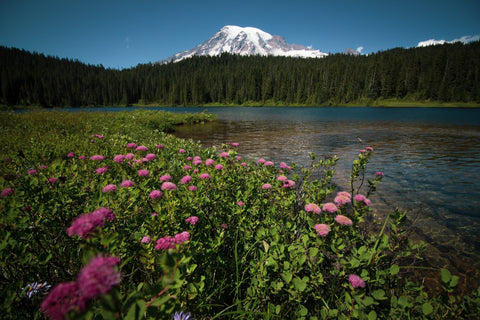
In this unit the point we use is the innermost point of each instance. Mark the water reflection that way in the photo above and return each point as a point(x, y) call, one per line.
point(430, 157)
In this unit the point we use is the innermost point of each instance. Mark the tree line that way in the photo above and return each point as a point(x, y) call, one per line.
point(444, 73)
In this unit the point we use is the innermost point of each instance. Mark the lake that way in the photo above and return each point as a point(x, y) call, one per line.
point(430, 157)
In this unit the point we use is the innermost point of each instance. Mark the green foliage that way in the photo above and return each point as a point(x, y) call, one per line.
point(446, 73)
point(255, 253)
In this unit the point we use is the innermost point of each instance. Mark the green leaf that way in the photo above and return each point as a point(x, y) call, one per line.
point(299, 284)
point(394, 269)
point(379, 294)
point(372, 315)
point(427, 308)
point(446, 275)
point(287, 277)
point(137, 310)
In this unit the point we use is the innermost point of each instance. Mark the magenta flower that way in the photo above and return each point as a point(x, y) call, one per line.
point(192, 220)
point(182, 151)
point(99, 277)
point(219, 167)
point(101, 170)
point(322, 229)
point(283, 165)
point(182, 237)
point(240, 203)
point(82, 158)
point(143, 173)
point(312, 207)
point(224, 226)
point(288, 184)
point(266, 186)
point(131, 145)
point(159, 146)
point(145, 239)
point(209, 162)
point(86, 225)
point(63, 298)
point(235, 144)
point(192, 188)
point(165, 177)
point(156, 194)
point(186, 179)
point(165, 243)
point(369, 148)
point(169, 186)
point(52, 180)
point(330, 207)
point(109, 188)
point(32, 172)
point(150, 156)
point(343, 220)
point(126, 184)
point(269, 163)
point(342, 198)
point(224, 155)
point(204, 176)
point(98, 136)
point(379, 174)
point(141, 148)
point(119, 158)
point(197, 162)
point(6, 192)
point(70, 155)
point(187, 167)
point(97, 157)
point(356, 281)
point(362, 199)
point(129, 156)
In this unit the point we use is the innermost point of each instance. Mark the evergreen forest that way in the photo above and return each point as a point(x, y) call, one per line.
point(442, 73)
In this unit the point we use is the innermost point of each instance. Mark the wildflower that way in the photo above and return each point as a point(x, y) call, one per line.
point(119, 158)
point(182, 316)
point(225, 155)
point(36, 288)
point(283, 165)
point(97, 157)
point(141, 148)
point(182, 151)
point(192, 188)
point(169, 186)
point(343, 220)
point(186, 179)
point(330, 207)
point(101, 170)
point(269, 163)
point(224, 226)
point(362, 199)
point(187, 167)
point(243, 164)
point(209, 162)
point(379, 174)
point(99, 276)
point(126, 183)
point(150, 157)
point(342, 198)
point(145, 239)
point(182, 237)
point(239, 158)
point(6, 192)
point(219, 167)
point(32, 172)
point(288, 184)
point(98, 136)
point(43, 167)
point(322, 229)
point(235, 144)
point(52, 180)
point(129, 156)
point(362, 151)
point(282, 178)
point(156, 194)
point(82, 158)
point(165, 243)
point(266, 186)
point(261, 161)
point(204, 176)
point(109, 188)
point(197, 162)
point(86, 224)
point(143, 173)
point(356, 281)
point(312, 207)
point(131, 145)
point(240, 203)
point(63, 298)
point(369, 148)
point(165, 177)
point(159, 146)
point(192, 220)
point(70, 155)
point(189, 158)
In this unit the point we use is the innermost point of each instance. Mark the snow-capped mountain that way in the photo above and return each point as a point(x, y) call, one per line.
point(246, 41)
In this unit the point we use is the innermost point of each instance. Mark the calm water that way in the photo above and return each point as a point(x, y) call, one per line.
point(430, 157)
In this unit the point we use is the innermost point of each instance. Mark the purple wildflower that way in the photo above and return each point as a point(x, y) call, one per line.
point(99, 276)
point(204, 176)
point(86, 224)
point(141, 148)
point(165, 243)
point(182, 316)
point(165, 177)
point(169, 186)
point(150, 157)
point(131, 145)
point(129, 156)
point(101, 170)
point(6, 192)
point(143, 172)
point(63, 298)
point(186, 179)
point(109, 188)
point(219, 167)
point(156, 194)
point(192, 188)
point(97, 157)
point(182, 237)
point(192, 220)
point(126, 183)
point(32, 172)
point(70, 155)
point(356, 281)
point(145, 239)
point(52, 180)
point(119, 158)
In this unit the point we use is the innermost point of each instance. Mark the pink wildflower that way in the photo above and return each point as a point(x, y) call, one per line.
point(43, 167)
point(182, 237)
point(342, 198)
point(362, 199)
point(101, 170)
point(82, 158)
point(6, 192)
point(330, 207)
point(192, 220)
point(126, 184)
point(288, 184)
point(225, 155)
point(165, 177)
point(99, 277)
point(192, 188)
point(266, 186)
point(182, 151)
point(143, 173)
point(70, 155)
point(240, 203)
point(129, 156)
point(322, 229)
point(369, 148)
point(187, 167)
point(150, 157)
point(62, 299)
point(145, 239)
point(97, 157)
point(131, 145)
point(235, 144)
point(52, 180)
point(269, 163)
point(356, 281)
point(343, 220)
point(98, 136)
point(224, 226)
point(379, 174)
point(141, 148)
point(109, 188)
point(119, 158)
point(32, 172)
point(197, 162)
point(243, 164)
point(159, 146)
point(209, 162)
point(165, 243)
point(156, 194)
point(204, 176)
point(186, 179)
point(261, 161)
point(169, 186)
point(283, 165)
point(312, 207)
point(282, 178)
point(86, 224)
point(219, 167)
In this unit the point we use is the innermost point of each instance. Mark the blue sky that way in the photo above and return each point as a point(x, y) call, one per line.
point(123, 33)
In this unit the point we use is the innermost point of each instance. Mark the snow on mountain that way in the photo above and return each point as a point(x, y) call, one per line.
point(246, 41)
point(433, 42)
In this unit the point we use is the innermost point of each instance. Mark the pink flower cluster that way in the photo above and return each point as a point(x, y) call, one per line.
point(167, 242)
point(312, 207)
point(343, 220)
point(356, 281)
point(97, 278)
point(342, 198)
point(360, 198)
point(192, 220)
point(85, 225)
point(322, 229)
point(6, 192)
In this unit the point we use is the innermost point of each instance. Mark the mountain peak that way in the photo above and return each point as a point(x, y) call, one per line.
point(246, 41)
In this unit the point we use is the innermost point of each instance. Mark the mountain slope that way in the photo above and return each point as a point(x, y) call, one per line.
point(246, 41)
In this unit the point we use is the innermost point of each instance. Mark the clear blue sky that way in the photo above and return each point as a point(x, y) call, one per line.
point(123, 33)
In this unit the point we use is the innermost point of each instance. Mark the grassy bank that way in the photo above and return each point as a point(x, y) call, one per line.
point(106, 216)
